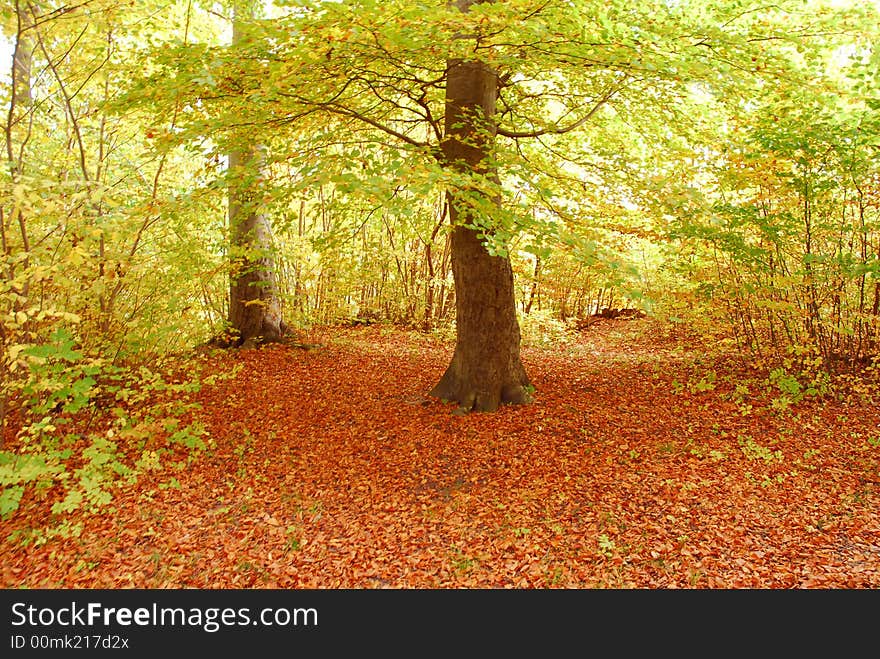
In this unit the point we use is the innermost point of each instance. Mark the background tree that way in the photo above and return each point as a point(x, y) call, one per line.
point(254, 307)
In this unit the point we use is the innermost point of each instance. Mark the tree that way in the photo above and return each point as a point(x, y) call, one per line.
point(486, 369)
point(552, 66)
point(254, 307)
point(19, 104)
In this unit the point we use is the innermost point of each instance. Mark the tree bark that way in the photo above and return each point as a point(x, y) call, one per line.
point(486, 369)
point(254, 306)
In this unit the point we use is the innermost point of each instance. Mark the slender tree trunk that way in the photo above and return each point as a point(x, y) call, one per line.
point(21, 99)
point(486, 369)
point(254, 306)
point(22, 58)
point(533, 292)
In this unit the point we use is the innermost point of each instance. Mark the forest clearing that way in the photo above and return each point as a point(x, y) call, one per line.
point(637, 466)
point(372, 294)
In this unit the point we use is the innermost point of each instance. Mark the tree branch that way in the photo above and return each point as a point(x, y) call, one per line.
point(345, 112)
point(566, 129)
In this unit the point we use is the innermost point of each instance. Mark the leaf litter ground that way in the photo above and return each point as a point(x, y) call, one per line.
point(633, 468)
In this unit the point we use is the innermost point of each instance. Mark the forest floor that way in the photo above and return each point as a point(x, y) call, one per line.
point(644, 462)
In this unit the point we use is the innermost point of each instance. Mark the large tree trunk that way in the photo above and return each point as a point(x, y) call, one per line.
point(486, 369)
point(254, 306)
